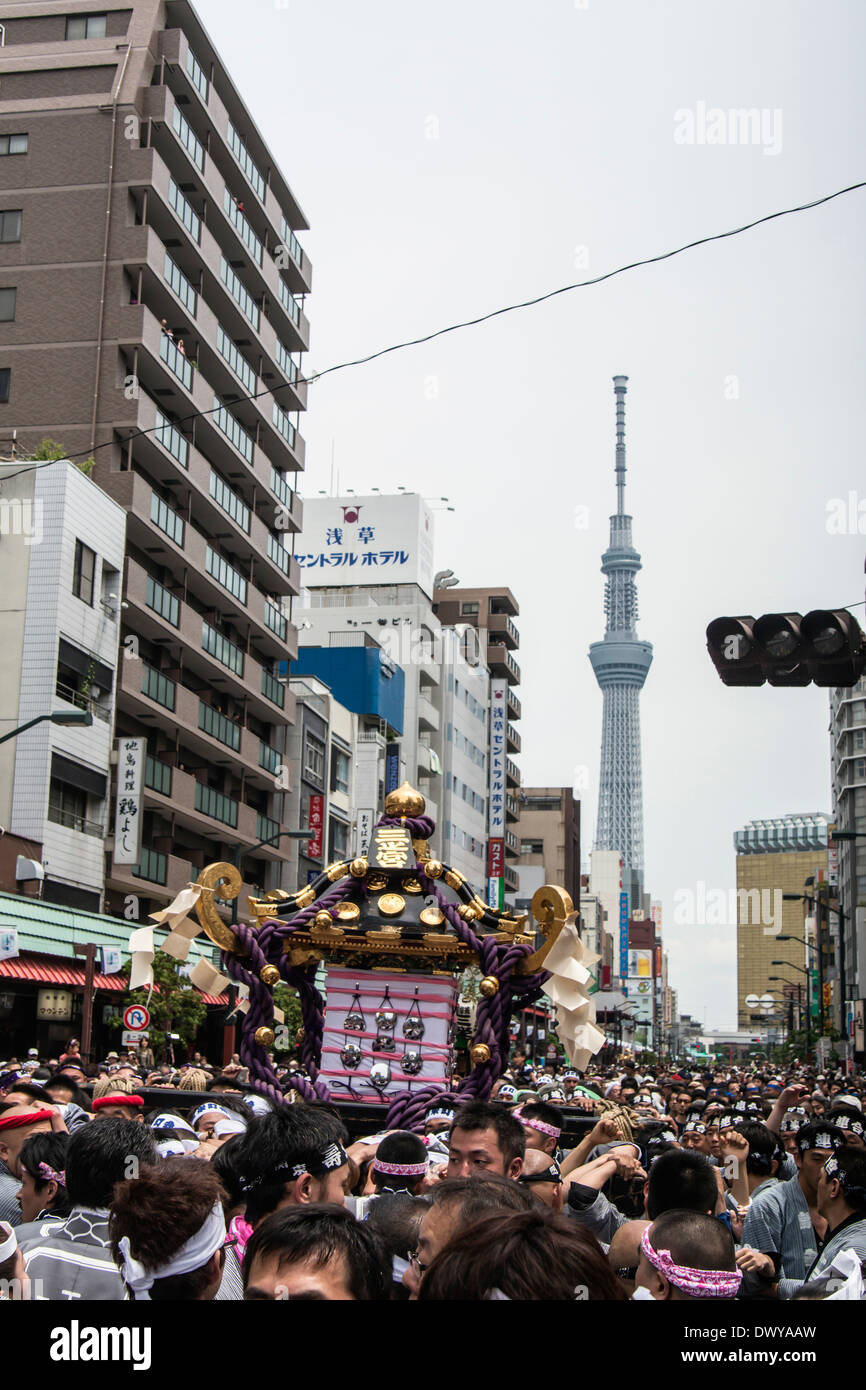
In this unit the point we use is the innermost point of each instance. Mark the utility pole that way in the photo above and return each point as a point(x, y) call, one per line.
point(89, 953)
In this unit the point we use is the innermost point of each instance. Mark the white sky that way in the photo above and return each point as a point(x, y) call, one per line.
point(554, 126)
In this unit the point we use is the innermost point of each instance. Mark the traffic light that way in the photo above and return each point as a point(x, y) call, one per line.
point(827, 648)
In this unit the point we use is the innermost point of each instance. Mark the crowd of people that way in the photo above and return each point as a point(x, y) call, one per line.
point(667, 1184)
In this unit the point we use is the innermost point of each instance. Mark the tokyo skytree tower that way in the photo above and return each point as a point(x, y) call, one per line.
point(621, 662)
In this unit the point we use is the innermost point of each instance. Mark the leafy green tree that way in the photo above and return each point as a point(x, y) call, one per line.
point(286, 998)
point(49, 449)
point(177, 1008)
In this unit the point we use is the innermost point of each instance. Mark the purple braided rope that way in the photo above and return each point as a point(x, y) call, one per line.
point(419, 827)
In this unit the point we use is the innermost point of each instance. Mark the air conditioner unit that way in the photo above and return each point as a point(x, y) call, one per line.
point(26, 870)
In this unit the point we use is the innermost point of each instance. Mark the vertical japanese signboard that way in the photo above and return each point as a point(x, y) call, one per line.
point(317, 826)
point(128, 811)
point(623, 936)
point(364, 830)
point(496, 813)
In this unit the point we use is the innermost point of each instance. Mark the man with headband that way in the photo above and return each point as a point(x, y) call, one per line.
point(74, 1260)
point(842, 1203)
point(686, 1256)
point(784, 1221)
point(17, 1123)
point(168, 1231)
point(542, 1124)
point(400, 1164)
point(541, 1175)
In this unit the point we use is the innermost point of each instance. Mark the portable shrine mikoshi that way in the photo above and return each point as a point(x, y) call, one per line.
point(395, 929)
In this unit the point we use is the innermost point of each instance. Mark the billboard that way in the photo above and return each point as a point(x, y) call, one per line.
point(640, 965)
point(366, 540)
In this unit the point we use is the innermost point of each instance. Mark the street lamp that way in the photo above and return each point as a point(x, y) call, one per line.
point(795, 984)
point(82, 717)
point(803, 971)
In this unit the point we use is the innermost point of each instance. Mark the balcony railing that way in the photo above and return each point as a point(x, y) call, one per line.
point(73, 822)
point(157, 776)
point(188, 138)
point(225, 574)
point(197, 76)
point(175, 360)
point(224, 730)
point(269, 758)
point(275, 620)
point(224, 651)
point(158, 687)
point(183, 289)
point(281, 486)
point(162, 601)
point(242, 226)
point(278, 553)
point(266, 829)
point(166, 518)
point(184, 211)
point(81, 701)
point(232, 430)
point(245, 160)
point(240, 294)
point(153, 866)
point(236, 360)
point(228, 499)
point(216, 804)
point(289, 303)
point(286, 363)
point(291, 243)
point(171, 439)
point(284, 425)
point(272, 689)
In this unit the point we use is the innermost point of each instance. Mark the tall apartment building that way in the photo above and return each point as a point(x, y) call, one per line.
point(491, 613)
point(61, 556)
point(848, 754)
point(152, 288)
point(774, 857)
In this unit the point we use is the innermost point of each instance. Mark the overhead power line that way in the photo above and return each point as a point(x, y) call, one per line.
point(497, 313)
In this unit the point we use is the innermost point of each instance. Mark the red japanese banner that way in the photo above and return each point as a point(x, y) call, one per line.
point(317, 826)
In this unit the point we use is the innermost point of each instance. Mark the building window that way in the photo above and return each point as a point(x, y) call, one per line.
point(338, 839)
point(84, 572)
point(531, 846)
point(339, 770)
point(5, 379)
point(314, 760)
point(67, 805)
point(86, 26)
point(469, 608)
point(8, 297)
point(10, 225)
point(14, 144)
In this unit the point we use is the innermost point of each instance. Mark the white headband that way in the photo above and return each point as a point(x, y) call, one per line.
point(8, 1243)
point(223, 1127)
point(257, 1104)
point(209, 1107)
point(193, 1255)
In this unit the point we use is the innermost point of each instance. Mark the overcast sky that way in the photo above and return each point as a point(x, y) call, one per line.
point(456, 157)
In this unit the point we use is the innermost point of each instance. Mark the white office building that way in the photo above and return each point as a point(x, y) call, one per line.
point(61, 557)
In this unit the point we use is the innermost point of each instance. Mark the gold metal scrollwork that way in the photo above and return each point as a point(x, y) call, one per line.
point(224, 880)
point(551, 907)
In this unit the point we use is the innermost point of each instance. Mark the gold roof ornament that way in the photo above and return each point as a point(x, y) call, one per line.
point(405, 801)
